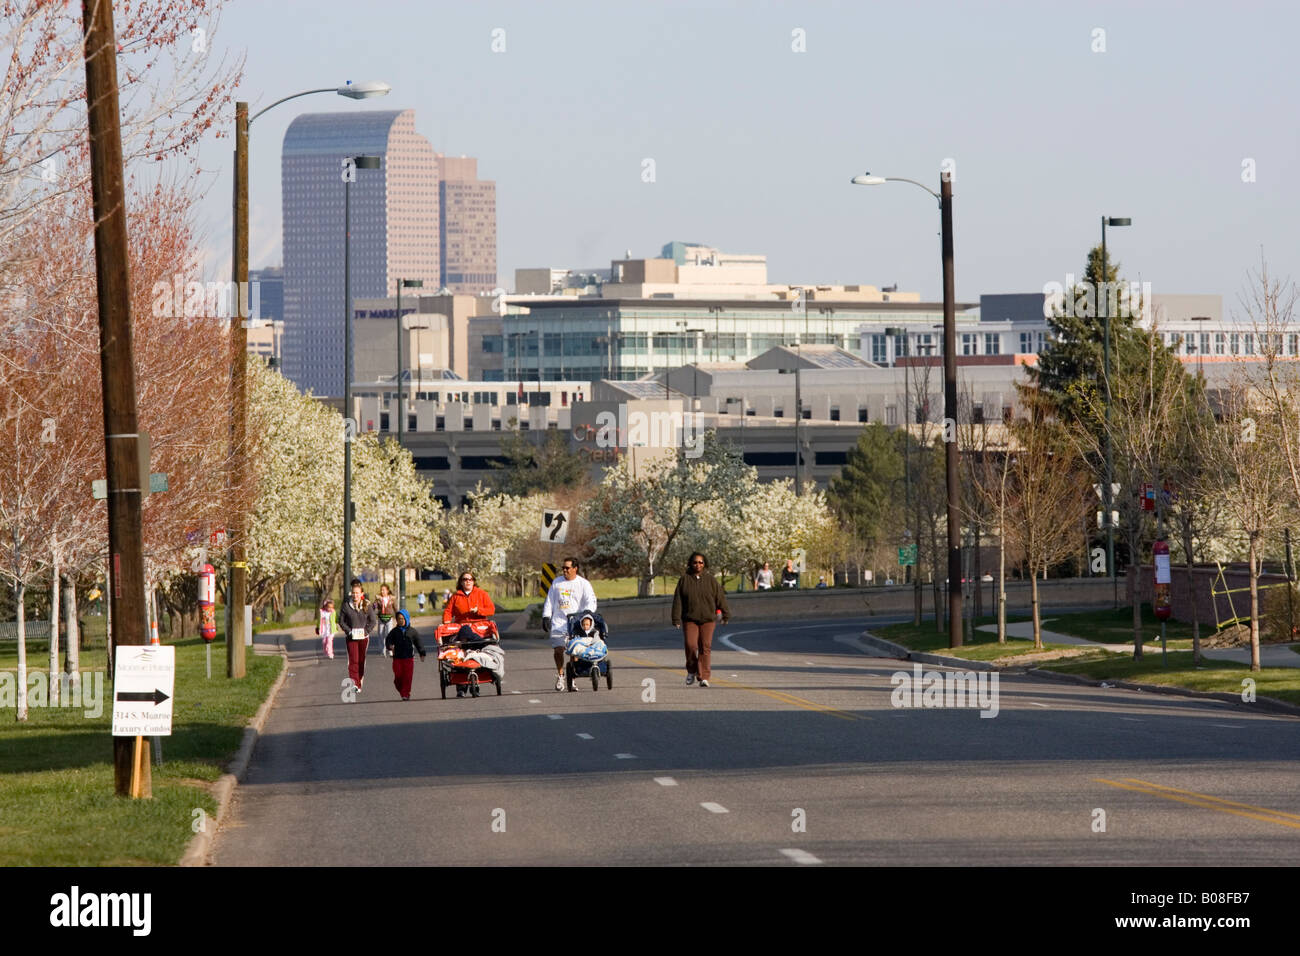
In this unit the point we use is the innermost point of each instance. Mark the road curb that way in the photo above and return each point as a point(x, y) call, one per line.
point(1264, 703)
point(890, 649)
point(196, 854)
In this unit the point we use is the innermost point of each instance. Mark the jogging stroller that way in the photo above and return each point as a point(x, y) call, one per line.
point(469, 656)
point(587, 652)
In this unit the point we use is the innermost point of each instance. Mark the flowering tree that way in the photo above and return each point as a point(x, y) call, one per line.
point(636, 517)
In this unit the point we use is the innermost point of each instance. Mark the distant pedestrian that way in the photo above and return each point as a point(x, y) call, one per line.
point(327, 626)
point(419, 601)
point(385, 605)
point(821, 581)
point(403, 643)
point(359, 622)
point(697, 602)
point(789, 576)
point(763, 580)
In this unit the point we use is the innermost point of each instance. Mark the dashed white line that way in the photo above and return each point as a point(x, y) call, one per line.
point(1229, 726)
point(715, 808)
point(533, 700)
point(516, 692)
point(1037, 704)
point(586, 736)
point(666, 781)
point(624, 756)
point(1135, 720)
point(554, 716)
point(800, 856)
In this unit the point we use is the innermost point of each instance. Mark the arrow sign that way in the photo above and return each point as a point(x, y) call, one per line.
point(553, 525)
point(155, 695)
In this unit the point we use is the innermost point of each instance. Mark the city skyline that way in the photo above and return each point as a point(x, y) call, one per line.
point(753, 143)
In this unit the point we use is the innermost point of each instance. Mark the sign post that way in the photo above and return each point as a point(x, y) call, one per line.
point(143, 683)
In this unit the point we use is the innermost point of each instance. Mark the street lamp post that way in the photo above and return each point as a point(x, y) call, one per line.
point(1202, 344)
point(401, 403)
point(944, 198)
point(1107, 490)
point(236, 594)
point(357, 162)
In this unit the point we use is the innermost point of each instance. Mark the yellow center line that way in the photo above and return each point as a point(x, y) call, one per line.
point(1205, 796)
point(1204, 801)
point(776, 695)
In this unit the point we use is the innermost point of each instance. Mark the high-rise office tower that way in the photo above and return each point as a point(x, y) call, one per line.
point(468, 236)
point(394, 222)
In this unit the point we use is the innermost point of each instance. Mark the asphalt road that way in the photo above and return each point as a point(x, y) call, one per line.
point(795, 756)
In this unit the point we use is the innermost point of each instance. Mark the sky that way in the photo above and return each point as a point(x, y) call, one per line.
point(756, 116)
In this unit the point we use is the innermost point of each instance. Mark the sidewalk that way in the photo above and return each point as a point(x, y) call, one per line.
point(1270, 655)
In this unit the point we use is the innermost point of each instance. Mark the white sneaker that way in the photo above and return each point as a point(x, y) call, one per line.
point(690, 679)
point(559, 682)
point(703, 682)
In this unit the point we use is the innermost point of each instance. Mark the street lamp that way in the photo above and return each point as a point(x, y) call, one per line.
point(352, 164)
point(944, 198)
point(401, 404)
point(1202, 343)
point(238, 587)
point(1107, 490)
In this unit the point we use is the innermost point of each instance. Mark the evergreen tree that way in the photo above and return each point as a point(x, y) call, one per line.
point(867, 493)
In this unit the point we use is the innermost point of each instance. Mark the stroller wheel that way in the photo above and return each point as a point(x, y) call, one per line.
point(609, 677)
point(498, 683)
point(595, 677)
point(568, 676)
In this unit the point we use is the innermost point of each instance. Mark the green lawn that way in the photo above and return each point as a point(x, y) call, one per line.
point(1282, 683)
point(57, 806)
point(984, 647)
point(1115, 626)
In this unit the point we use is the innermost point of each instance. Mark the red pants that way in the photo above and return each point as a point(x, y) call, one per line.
point(403, 671)
point(357, 660)
point(699, 641)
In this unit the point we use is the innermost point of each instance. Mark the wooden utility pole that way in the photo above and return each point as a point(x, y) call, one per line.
point(117, 365)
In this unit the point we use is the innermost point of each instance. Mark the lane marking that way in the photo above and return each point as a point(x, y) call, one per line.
point(800, 856)
point(625, 756)
point(554, 716)
point(1229, 726)
point(1037, 704)
point(1134, 719)
point(726, 639)
point(586, 736)
point(533, 700)
point(809, 663)
point(715, 808)
point(1206, 801)
point(666, 781)
point(516, 692)
point(776, 695)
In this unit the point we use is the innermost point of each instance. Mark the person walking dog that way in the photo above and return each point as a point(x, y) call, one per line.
point(697, 602)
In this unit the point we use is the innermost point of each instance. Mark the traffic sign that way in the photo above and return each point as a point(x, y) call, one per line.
point(907, 555)
point(143, 684)
point(554, 526)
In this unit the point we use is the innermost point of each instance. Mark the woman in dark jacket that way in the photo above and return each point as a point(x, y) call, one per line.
point(358, 620)
point(697, 602)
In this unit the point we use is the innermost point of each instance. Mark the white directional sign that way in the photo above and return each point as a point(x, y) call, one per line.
point(143, 684)
point(555, 526)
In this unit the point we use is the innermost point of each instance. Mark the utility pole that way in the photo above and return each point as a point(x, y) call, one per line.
point(401, 405)
point(950, 416)
point(236, 593)
point(117, 366)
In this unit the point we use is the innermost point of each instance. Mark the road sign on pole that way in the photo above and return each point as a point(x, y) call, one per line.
point(907, 555)
point(554, 526)
point(143, 683)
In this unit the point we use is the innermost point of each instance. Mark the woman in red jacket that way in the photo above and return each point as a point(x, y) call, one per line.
point(469, 603)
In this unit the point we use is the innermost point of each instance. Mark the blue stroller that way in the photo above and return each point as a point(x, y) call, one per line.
point(587, 651)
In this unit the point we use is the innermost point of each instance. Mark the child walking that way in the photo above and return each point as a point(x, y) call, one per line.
point(327, 626)
point(403, 641)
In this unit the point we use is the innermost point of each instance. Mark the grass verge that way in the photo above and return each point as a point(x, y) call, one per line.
point(57, 806)
point(984, 646)
point(1282, 683)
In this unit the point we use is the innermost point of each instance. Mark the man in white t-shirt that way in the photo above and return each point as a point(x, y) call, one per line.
point(569, 594)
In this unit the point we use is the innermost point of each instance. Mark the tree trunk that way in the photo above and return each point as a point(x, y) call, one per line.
point(1002, 590)
point(19, 592)
point(1033, 603)
point(54, 632)
point(73, 653)
point(1134, 585)
point(978, 576)
point(1254, 605)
